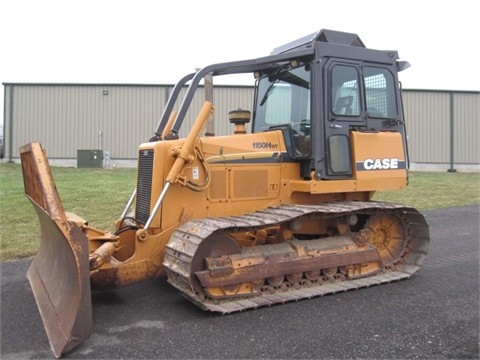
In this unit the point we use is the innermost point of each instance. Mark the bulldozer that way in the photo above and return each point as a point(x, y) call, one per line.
point(280, 212)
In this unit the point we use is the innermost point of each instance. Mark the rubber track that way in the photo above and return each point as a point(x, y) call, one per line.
point(182, 246)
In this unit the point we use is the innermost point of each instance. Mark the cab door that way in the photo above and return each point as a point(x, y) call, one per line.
point(344, 111)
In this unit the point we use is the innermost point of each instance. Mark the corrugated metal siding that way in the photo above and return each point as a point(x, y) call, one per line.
point(427, 116)
point(68, 117)
point(128, 117)
point(467, 128)
point(65, 118)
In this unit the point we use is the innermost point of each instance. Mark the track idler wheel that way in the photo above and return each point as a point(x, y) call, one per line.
point(386, 233)
point(219, 243)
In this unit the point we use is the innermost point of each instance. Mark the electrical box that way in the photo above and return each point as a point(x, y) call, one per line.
point(90, 158)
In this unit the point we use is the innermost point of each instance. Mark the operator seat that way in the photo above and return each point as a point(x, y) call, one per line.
point(343, 105)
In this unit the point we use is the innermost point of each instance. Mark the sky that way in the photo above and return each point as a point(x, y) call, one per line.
point(159, 41)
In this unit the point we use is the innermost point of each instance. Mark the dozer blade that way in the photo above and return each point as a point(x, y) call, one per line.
point(59, 273)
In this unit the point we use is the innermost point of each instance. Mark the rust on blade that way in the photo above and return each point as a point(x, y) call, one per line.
point(59, 273)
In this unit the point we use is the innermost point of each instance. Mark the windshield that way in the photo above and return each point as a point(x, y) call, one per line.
point(283, 98)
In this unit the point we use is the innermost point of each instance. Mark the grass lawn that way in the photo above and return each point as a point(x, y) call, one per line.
point(96, 195)
point(435, 190)
point(99, 196)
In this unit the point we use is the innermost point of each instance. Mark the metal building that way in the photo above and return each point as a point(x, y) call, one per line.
point(443, 126)
point(443, 129)
point(115, 118)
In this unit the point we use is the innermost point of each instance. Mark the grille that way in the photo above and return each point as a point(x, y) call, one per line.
point(144, 185)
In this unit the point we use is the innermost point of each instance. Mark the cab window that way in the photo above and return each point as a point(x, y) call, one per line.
point(283, 98)
point(380, 93)
point(345, 91)
point(283, 101)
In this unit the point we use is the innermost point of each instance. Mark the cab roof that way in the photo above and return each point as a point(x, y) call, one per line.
point(324, 35)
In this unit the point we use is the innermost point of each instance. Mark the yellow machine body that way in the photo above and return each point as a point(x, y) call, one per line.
point(241, 221)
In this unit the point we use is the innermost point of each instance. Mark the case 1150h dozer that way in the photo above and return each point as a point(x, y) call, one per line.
point(279, 213)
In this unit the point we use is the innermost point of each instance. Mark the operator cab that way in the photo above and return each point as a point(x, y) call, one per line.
point(354, 89)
